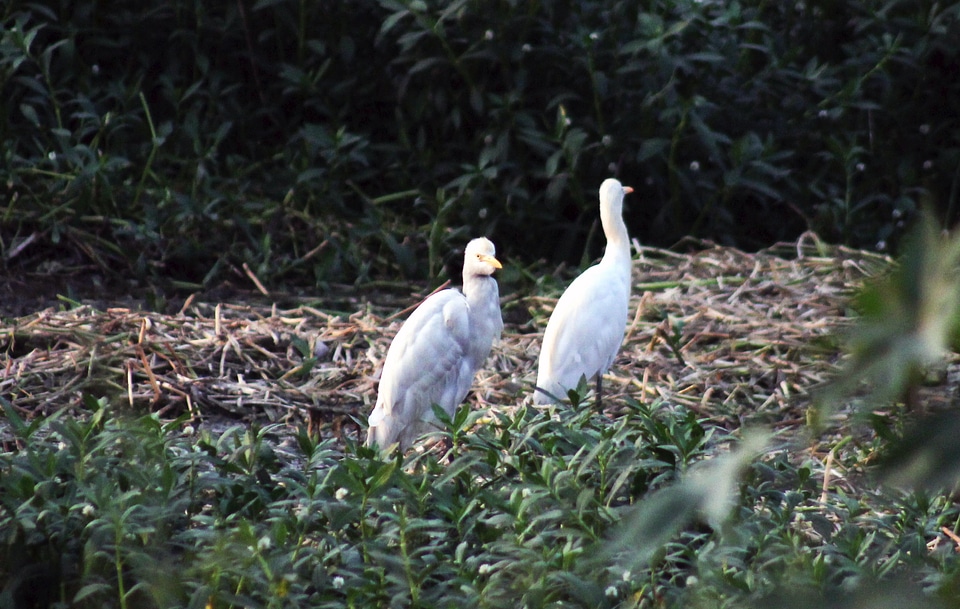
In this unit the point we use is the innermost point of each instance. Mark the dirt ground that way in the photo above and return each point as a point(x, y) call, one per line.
point(25, 290)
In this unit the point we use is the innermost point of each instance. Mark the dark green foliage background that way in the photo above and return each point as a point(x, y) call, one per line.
point(179, 138)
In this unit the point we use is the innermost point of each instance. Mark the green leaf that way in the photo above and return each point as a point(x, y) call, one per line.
point(30, 114)
point(381, 476)
point(652, 147)
point(89, 590)
point(553, 162)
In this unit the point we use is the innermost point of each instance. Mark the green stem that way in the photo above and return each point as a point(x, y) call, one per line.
point(153, 150)
point(952, 200)
point(847, 199)
point(364, 532)
point(436, 27)
point(118, 562)
point(407, 567)
point(672, 169)
point(302, 33)
point(396, 196)
point(665, 285)
point(597, 109)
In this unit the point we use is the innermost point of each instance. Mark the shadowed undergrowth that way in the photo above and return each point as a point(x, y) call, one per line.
point(363, 140)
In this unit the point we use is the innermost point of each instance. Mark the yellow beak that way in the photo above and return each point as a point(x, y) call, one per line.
point(491, 261)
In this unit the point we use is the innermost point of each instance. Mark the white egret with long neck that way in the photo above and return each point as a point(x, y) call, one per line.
point(588, 324)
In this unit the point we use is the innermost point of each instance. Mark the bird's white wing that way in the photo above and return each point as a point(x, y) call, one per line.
point(585, 329)
point(427, 363)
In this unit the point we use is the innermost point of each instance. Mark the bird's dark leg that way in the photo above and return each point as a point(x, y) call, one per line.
point(446, 449)
point(599, 391)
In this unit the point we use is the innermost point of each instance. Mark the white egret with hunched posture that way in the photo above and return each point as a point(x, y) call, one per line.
point(588, 324)
point(437, 352)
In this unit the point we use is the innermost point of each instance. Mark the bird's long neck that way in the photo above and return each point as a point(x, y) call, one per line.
point(618, 241)
point(474, 285)
point(483, 296)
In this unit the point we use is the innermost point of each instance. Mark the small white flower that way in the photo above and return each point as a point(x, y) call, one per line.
point(189, 430)
point(484, 569)
point(594, 36)
point(611, 592)
point(692, 581)
point(88, 510)
point(861, 166)
point(483, 213)
point(567, 122)
point(881, 245)
point(52, 155)
point(626, 576)
point(264, 543)
point(341, 493)
point(924, 128)
point(525, 492)
point(606, 140)
point(488, 34)
point(927, 164)
point(823, 114)
point(694, 166)
point(526, 48)
point(897, 214)
point(337, 582)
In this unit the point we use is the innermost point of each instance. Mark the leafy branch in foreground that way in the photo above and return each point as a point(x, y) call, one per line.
point(910, 322)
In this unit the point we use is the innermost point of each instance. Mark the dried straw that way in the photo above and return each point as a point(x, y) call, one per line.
point(731, 335)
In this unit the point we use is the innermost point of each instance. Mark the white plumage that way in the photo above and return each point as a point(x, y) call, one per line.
point(587, 326)
point(437, 352)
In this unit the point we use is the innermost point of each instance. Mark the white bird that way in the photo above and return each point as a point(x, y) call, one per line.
point(587, 326)
point(437, 352)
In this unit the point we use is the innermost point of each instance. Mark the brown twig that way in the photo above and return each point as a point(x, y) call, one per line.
point(255, 279)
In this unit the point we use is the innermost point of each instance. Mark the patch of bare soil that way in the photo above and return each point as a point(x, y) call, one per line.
point(733, 336)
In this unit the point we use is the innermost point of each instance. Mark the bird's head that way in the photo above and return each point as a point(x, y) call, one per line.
point(480, 258)
point(612, 191)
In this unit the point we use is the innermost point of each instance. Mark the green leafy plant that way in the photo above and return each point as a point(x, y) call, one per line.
point(350, 141)
point(536, 507)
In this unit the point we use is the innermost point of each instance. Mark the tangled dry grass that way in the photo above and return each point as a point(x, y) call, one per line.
point(731, 335)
